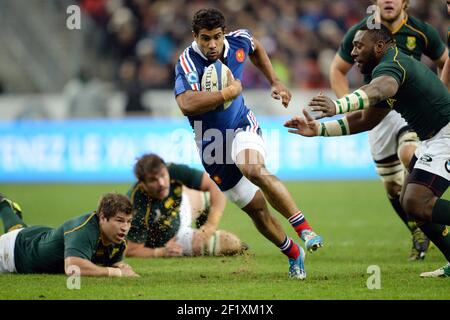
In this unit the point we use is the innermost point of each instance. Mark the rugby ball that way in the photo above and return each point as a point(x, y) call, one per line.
point(215, 78)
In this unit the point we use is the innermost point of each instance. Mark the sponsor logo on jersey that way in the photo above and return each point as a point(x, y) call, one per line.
point(391, 102)
point(426, 158)
point(447, 166)
point(240, 55)
point(411, 42)
point(192, 77)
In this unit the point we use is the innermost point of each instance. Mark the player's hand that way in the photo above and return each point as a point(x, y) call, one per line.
point(234, 84)
point(230, 78)
point(307, 126)
point(279, 91)
point(323, 105)
point(237, 85)
point(127, 271)
point(173, 249)
point(122, 265)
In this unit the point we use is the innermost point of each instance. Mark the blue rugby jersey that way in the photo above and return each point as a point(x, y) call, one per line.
point(238, 45)
point(189, 71)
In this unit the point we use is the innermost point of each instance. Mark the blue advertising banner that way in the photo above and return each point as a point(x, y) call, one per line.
point(105, 150)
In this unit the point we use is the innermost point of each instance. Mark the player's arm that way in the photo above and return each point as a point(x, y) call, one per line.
point(261, 61)
point(445, 77)
point(435, 49)
point(79, 247)
point(139, 250)
point(218, 202)
point(338, 80)
point(363, 120)
point(440, 62)
point(379, 89)
point(87, 268)
point(192, 103)
point(200, 180)
point(352, 123)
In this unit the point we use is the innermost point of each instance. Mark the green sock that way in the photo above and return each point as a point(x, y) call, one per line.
point(441, 212)
point(438, 234)
point(10, 219)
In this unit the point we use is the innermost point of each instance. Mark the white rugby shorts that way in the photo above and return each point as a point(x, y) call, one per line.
point(244, 191)
point(433, 155)
point(383, 138)
point(7, 245)
point(186, 232)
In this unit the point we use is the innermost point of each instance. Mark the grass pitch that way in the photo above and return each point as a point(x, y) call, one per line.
point(358, 225)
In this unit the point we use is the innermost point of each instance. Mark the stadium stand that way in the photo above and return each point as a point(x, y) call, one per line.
point(130, 48)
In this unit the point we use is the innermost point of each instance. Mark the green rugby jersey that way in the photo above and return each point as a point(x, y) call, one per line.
point(422, 99)
point(41, 249)
point(414, 37)
point(448, 40)
point(157, 221)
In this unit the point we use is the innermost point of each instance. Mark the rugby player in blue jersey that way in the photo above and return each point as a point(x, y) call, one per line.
point(238, 165)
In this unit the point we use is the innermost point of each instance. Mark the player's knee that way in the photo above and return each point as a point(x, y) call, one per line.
point(415, 206)
point(256, 173)
point(393, 175)
point(407, 145)
point(257, 209)
point(257, 206)
point(393, 188)
point(405, 154)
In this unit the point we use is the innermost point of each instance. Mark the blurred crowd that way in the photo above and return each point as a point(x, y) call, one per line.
point(146, 37)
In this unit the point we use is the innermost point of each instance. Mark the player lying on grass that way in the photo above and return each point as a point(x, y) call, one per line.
point(420, 97)
point(93, 242)
point(167, 198)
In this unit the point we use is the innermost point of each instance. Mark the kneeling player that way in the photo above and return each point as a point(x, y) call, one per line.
point(167, 199)
point(92, 244)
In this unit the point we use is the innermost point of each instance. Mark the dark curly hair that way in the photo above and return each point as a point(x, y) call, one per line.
point(113, 203)
point(379, 34)
point(146, 164)
point(209, 19)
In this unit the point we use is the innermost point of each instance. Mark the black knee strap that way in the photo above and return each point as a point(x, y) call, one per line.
point(435, 183)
